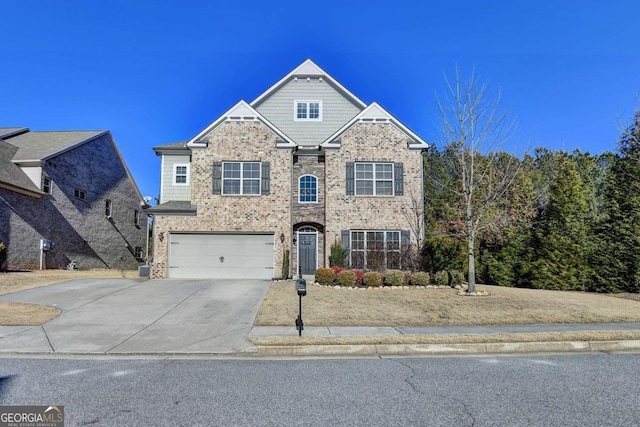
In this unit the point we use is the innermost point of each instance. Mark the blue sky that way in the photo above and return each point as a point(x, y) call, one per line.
point(156, 72)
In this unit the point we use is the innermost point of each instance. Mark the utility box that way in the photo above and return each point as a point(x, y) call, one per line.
point(144, 271)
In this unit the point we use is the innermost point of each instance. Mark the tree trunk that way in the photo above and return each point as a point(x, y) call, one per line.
point(471, 242)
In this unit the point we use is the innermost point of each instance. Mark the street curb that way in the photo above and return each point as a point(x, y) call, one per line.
point(444, 349)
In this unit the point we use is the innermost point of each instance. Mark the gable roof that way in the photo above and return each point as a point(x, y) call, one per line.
point(240, 112)
point(308, 69)
point(37, 146)
point(9, 132)
point(374, 113)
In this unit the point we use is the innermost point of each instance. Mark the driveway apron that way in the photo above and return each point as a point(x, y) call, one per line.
point(124, 316)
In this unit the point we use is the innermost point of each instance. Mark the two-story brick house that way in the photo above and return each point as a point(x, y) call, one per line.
point(304, 165)
point(72, 188)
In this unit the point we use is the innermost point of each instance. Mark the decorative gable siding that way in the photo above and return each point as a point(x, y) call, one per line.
point(370, 142)
point(170, 191)
point(336, 110)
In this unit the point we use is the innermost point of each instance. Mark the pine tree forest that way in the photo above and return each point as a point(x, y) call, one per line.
point(568, 221)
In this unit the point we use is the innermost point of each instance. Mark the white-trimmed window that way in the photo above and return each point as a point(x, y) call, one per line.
point(308, 189)
point(375, 249)
point(374, 179)
point(46, 184)
point(136, 217)
point(241, 178)
point(108, 207)
point(181, 174)
point(307, 111)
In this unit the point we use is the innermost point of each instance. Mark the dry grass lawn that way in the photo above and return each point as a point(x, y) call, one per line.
point(19, 314)
point(326, 306)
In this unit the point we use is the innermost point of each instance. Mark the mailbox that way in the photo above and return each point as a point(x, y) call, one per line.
point(48, 245)
point(301, 287)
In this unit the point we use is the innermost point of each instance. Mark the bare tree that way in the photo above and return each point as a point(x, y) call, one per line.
point(474, 128)
point(413, 212)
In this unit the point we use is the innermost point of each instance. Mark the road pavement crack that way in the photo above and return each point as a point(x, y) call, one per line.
point(155, 321)
point(466, 410)
point(410, 377)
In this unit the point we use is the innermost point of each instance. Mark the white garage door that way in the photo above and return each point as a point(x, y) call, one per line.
point(221, 256)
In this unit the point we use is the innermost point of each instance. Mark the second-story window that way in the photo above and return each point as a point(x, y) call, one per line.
point(79, 194)
point(136, 218)
point(308, 110)
point(241, 178)
point(308, 189)
point(181, 174)
point(107, 208)
point(374, 179)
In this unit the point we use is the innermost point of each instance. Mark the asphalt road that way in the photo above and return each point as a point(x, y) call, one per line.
point(554, 390)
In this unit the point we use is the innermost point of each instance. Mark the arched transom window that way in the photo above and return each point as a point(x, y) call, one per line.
point(308, 189)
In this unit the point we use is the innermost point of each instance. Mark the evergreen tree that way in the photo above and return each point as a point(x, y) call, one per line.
point(561, 239)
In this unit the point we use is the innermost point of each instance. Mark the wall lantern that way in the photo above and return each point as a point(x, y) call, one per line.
point(282, 238)
point(161, 236)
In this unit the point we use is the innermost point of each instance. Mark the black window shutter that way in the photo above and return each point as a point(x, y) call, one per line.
point(217, 177)
point(398, 179)
point(350, 179)
point(344, 238)
point(266, 179)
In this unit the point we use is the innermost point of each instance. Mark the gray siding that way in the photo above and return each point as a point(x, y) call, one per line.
point(336, 110)
point(170, 191)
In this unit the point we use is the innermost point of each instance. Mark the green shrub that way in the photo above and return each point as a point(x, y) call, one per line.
point(338, 255)
point(372, 278)
point(456, 277)
point(442, 278)
point(325, 276)
point(285, 264)
point(347, 278)
point(420, 279)
point(394, 278)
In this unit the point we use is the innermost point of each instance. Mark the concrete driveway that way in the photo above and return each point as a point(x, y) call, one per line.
point(125, 316)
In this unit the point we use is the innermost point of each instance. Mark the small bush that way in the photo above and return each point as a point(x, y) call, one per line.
point(347, 278)
point(338, 255)
point(325, 276)
point(372, 278)
point(337, 269)
point(359, 277)
point(407, 278)
point(420, 279)
point(442, 278)
point(456, 277)
point(285, 264)
point(394, 278)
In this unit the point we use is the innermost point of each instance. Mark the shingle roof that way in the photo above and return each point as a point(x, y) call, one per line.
point(9, 132)
point(10, 174)
point(173, 207)
point(41, 145)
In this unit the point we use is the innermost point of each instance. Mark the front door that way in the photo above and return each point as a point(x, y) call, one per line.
point(307, 256)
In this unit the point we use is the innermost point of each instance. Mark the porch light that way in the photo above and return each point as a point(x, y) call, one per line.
point(282, 238)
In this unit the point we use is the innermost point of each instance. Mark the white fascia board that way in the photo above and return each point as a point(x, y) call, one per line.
point(376, 111)
point(307, 69)
point(240, 110)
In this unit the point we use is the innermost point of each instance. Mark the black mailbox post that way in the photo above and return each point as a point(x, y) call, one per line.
point(301, 288)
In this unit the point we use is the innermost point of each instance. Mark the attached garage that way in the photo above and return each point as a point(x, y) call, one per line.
point(221, 256)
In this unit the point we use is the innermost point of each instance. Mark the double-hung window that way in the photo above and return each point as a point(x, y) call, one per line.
point(241, 178)
point(46, 184)
point(308, 189)
point(374, 179)
point(108, 206)
point(308, 110)
point(181, 174)
point(375, 249)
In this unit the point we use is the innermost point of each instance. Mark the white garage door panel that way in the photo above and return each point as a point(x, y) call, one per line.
point(221, 256)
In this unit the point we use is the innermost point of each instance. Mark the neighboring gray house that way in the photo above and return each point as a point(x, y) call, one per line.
point(303, 166)
point(74, 189)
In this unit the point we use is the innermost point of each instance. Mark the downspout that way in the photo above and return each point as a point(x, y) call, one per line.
point(291, 263)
